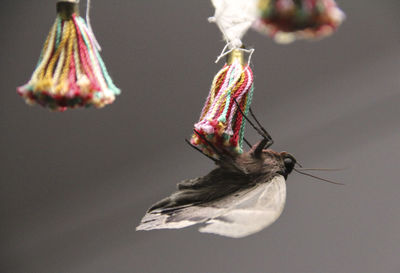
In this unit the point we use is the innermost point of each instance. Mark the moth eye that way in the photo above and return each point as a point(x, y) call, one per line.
point(289, 163)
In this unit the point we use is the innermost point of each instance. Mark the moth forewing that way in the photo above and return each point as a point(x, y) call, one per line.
point(246, 211)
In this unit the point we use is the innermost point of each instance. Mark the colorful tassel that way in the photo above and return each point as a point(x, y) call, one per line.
point(286, 20)
point(70, 72)
point(221, 122)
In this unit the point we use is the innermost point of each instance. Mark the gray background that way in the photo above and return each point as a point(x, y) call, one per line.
point(74, 185)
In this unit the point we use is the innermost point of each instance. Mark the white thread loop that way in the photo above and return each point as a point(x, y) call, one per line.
point(91, 33)
point(225, 52)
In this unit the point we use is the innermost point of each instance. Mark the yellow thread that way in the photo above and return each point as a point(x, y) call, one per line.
point(47, 79)
point(220, 128)
point(63, 83)
point(56, 76)
point(40, 70)
point(219, 79)
point(240, 83)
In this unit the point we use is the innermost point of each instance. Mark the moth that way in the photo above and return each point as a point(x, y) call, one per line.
point(244, 194)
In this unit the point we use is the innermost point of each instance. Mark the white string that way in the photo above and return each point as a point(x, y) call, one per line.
point(91, 33)
point(224, 52)
point(251, 52)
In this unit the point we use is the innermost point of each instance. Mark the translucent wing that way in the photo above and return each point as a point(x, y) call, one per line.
point(237, 215)
point(253, 211)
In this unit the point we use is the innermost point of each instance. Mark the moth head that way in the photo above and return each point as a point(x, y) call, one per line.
point(270, 161)
point(288, 163)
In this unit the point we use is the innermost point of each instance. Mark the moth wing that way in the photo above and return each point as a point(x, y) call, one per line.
point(237, 215)
point(161, 220)
point(249, 211)
point(179, 217)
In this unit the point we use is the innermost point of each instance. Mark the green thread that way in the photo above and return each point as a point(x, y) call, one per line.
point(246, 110)
point(58, 32)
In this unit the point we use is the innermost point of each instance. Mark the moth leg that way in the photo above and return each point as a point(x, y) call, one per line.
point(267, 139)
point(219, 153)
point(197, 149)
point(266, 134)
point(247, 142)
point(258, 148)
point(223, 157)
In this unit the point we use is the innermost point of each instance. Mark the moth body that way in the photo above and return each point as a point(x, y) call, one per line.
point(243, 195)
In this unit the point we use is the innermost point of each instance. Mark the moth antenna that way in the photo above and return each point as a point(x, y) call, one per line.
point(197, 149)
point(297, 163)
point(322, 169)
point(319, 178)
point(259, 149)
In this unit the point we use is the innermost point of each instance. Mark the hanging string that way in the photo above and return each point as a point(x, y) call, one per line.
point(89, 25)
point(226, 52)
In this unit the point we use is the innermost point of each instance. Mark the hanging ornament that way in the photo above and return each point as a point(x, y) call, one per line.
point(70, 72)
point(287, 20)
point(221, 122)
point(246, 192)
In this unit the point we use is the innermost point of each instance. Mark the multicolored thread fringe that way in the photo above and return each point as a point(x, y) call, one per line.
point(70, 72)
point(221, 122)
point(286, 20)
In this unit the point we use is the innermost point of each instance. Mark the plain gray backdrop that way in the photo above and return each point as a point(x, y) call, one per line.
point(74, 185)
